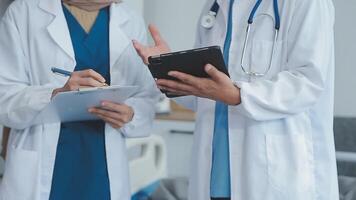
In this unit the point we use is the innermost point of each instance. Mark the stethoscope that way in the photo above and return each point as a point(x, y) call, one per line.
point(209, 20)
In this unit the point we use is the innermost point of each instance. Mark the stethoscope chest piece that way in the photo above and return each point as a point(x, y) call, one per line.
point(208, 21)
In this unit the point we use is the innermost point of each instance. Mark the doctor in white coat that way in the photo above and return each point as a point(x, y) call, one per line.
point(34, 37)
point(280, 124)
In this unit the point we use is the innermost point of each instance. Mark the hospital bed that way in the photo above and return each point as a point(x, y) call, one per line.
point(347, 180)
point(347, 183)
point(147, 161)
point(159, 164)
point(345, 142)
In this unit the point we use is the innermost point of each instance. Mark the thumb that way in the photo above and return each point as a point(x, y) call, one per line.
point(156, 35)
point(214, 73)
point(138, 46)
point(141, 51)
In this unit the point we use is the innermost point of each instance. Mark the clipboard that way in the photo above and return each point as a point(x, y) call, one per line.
point(191, 62)
point(73, 106)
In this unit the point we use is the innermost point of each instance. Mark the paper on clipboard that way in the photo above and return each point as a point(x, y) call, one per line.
point(73, 106)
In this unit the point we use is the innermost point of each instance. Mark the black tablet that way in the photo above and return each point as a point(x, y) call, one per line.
point(191, 62)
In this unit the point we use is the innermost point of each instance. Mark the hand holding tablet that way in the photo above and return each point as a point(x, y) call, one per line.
point(192, 62)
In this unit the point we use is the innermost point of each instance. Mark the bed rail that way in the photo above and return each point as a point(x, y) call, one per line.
point(342, 156)
point(150, 162)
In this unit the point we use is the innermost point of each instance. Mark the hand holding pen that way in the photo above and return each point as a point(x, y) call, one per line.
point(117, 115)
point(79, 79)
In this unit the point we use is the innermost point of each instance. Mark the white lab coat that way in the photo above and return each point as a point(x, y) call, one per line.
point(33, 38)
point(281, 136)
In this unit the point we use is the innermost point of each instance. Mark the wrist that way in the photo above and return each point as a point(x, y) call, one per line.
point(131, 114)
point(233, 98)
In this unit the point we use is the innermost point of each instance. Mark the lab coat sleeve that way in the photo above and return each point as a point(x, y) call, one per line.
point(20, 102)
point(143, 103)
point(295, 90)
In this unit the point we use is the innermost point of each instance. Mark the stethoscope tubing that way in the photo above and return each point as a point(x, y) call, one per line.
point(215, 9)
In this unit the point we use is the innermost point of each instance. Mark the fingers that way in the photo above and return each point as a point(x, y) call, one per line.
point(117, 115)
point(160, 46)
point(90, 74)
point(170, 91)
point(175, 87)
point(214, 73)
point(83, 79)
point(89, 82)
point(122, 109)
point(74, 83)
point(138, 46)
point(185, 78)
point(156, 35)
point(141, 50)
point(113, 123)
point(114, 119)
point(106, 113)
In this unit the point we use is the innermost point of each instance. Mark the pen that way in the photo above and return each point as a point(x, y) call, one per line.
point(66, 73)
point(61, 71)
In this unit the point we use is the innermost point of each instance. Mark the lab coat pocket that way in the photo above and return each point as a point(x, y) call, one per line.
point(290, 166)
point(265, 57)
point(20, 178)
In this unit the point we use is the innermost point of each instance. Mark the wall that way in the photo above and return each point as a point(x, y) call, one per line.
point(137, 5)
point(345, 32)
point(177, 20)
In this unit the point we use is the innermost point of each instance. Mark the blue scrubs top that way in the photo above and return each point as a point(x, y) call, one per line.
point(80, 170)
point(220, 184)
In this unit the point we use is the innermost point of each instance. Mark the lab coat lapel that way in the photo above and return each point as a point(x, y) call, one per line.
point(118, 39)
point(58, 28)
point(224, 9)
